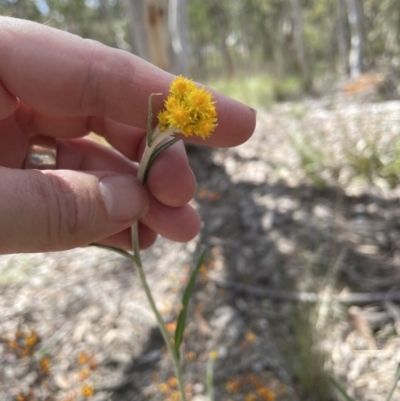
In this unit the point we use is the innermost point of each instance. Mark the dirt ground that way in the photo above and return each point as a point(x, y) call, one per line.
point(300, 278)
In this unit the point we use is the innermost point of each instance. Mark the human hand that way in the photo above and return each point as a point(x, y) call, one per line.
point(59, 85)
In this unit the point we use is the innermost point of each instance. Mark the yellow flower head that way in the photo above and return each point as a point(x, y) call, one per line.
point(188, 109)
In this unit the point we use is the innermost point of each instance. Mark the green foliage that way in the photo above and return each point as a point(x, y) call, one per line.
point(365, 159)
point(181, 323)
point(313, 160)
point(259, 90)
point(238, 37)
point(102, 20)
point(370, 160)
point(395, 382)
point(156, 153)
point(340, 389)
point(307, 358)
point(375, 158)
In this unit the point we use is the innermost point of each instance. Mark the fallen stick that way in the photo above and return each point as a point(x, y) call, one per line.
point(308, 297)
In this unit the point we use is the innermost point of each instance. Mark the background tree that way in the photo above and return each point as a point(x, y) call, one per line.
point(304, 39)
point(158, 32)
point(357, 49)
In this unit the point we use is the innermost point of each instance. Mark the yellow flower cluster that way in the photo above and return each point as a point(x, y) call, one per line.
point(188, 109)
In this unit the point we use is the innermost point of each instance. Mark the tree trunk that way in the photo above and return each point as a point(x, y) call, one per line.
point(342, 38)
point(178, 29)
point(158, 32)
point(299, 44)
point(357, 50)
point(137, 27)
point(222, 25)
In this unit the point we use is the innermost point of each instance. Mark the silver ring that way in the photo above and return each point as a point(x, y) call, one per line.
point(42, 153)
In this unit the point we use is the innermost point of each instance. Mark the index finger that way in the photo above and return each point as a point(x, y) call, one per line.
point(61, 74)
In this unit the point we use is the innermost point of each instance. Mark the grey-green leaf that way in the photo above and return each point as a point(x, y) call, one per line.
point(180, 326)
point(156, 152)
point(340, 389)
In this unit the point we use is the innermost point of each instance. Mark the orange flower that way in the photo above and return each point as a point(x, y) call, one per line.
point(266, 394)
point(83, 357)
point(87, 390)
point(173, 382)
point(233, 386)
point(44, 365)
point(32, 339)
point(250, 337)
point(171, 327)
point(164, 388)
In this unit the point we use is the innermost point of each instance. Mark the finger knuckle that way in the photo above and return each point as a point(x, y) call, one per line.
point(64, 213)
point(91, 101)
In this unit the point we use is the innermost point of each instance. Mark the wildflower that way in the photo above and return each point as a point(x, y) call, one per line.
point(44, 365)
point(180, 86)
point(164, 388)
point(87, 390)
point(173, 382)
point(251, 397)
point(83, 357)
point(31, 340)
point(213, 355)
point(266, 394)
point(250, 337)
point(188, 109)
point(171, 327)
point(191, 356)
point(233, 386)
point(175, 396)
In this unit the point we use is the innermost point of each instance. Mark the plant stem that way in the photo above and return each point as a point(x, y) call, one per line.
point(394, 385)
point(164, 332)
point(157, 137)
point(160, 321)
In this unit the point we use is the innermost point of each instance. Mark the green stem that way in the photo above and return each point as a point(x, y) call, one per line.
point(157, 137)
point(210, 379)
point(160, 321)
point(394, 385)
point(164, 332)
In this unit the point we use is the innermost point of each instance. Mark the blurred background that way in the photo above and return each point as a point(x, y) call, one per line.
point(300, 44)
point(299, 296)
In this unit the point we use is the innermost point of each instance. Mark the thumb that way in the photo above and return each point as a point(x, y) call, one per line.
point(54, 210)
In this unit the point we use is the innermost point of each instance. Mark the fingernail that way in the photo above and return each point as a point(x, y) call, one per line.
point(124, 197)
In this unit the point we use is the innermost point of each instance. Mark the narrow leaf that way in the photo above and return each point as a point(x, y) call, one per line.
point(115, 249)
point(180, 326)
point(149, 132)
point(156, 152)
point(394, 385)
point(340, 389)
point(210, 379)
